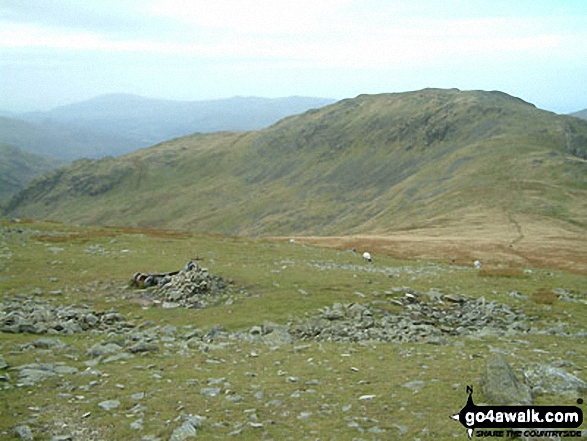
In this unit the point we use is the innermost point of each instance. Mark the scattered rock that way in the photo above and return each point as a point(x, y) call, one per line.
point(426, 317)
point(36, 316)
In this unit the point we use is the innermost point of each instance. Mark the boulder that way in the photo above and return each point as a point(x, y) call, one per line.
point(500, 385)
point(545, 379)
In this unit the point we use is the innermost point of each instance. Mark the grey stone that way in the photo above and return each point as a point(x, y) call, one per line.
point(33, 373)
point(415, 385)
point(547, 379)
point(210, 391)
point(185, 431)
point(109, 404)
point(23, 432)
point(143, 346)
point(500, 385)
point(3, 364)
point(101, 349)
point(48, 343)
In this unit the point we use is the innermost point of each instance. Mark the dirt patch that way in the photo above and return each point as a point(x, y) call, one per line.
point(545, 245)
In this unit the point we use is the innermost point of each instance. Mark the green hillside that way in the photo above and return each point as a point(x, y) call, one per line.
point(372, 164)
point(18, 168)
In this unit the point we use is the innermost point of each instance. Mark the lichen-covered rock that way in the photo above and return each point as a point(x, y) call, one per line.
point(500, 385)
point(545, 379)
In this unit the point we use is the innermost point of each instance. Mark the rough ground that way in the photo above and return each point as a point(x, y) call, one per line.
point(267, 340)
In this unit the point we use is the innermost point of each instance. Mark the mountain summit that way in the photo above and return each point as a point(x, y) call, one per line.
point(372, 164)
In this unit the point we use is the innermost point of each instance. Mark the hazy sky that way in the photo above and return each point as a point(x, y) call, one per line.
point(55, 52)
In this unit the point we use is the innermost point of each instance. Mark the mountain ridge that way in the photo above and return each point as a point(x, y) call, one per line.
point(116, 124)
point(375, 163)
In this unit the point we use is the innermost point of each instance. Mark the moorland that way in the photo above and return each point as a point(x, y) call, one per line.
point(285, 331)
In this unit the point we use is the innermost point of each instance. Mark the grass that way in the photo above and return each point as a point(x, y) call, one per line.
point(89, 265)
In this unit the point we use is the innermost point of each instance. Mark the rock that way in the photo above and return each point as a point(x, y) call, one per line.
point(185, 431)
point(23, 432)
point(3, 364)
point(304, 415)
point(143, 347)
point(31, 374)
point(100, 349)
point(546, 379)
point(210, 391)
point(48, 343)
point(196, 420)
point(415, 385)
point(500, 385)
point(109, 404)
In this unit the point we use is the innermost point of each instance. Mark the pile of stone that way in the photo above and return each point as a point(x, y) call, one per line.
point(428, 318)
point(36, 316)
point(193, 287)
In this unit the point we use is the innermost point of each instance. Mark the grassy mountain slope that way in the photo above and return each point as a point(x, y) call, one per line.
point(372, 164)
point(18, 168)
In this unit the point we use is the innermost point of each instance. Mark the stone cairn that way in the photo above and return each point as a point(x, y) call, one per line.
point(192, 287)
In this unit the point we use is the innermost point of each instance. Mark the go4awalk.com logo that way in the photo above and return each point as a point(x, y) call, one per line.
point(535, 421)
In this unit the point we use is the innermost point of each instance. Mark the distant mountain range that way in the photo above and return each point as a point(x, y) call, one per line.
point(111, 125)
point(372, 164)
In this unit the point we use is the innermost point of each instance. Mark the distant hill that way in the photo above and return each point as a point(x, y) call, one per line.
point(119, 123)
point(372, 164)
point(580, 114)
point(60, 140)
point(18, 168)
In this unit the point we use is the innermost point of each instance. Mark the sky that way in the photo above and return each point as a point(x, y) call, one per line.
point(55, 52)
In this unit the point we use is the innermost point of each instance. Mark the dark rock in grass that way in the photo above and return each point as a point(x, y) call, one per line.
point(143, 347)
point(500, 385)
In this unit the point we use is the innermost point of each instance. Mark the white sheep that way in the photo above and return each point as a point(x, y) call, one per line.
point(477, 264)
point(367, 257)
